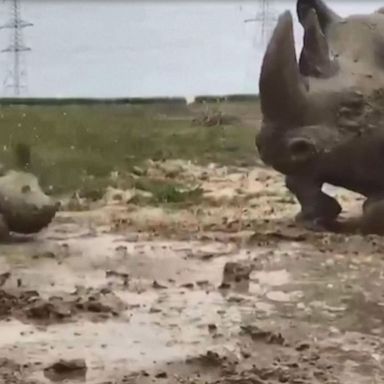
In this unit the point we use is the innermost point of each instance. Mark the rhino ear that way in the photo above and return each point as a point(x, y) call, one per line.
point(314, 59)
point(325, 15)
point(282, 92)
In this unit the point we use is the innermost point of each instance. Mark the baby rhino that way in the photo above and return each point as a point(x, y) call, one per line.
point(24, 207)
point(323, 115)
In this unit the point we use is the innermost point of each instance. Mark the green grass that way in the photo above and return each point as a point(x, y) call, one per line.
point(168, 191)
point(77, 147)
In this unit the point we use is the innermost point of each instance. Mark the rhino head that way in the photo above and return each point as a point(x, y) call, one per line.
point(323, 114)
point(24, 207)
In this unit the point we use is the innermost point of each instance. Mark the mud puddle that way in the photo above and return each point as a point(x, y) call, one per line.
point(173, 294)
point(182, 299)
point(213, 303)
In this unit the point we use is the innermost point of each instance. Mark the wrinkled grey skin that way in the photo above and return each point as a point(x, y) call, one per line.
point(323, 115)
point(24, 207)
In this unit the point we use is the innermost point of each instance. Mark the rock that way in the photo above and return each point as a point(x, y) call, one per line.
point(161, 375)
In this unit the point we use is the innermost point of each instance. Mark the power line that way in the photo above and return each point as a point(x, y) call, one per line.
point(265, 19)
point(17, 73)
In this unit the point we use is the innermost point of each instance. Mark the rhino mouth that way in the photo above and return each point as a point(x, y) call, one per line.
point(30, 220)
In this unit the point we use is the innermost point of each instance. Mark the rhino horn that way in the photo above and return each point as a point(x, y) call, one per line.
point(314, 59)
point(282, 95)
point(325, 15)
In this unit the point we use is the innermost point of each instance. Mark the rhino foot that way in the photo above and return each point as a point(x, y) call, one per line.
point(316, 224)
point(318, 210)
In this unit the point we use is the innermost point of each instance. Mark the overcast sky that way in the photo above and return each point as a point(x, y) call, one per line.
point(130, 48)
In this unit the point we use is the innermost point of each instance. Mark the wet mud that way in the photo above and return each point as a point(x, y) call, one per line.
point(29, 306)
point(226, 291)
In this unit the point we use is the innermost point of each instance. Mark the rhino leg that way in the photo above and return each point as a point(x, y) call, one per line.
point(4, 230)
point(372, 221)
point(318, 210)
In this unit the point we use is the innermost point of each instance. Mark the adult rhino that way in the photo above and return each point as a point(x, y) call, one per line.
point(323, 115)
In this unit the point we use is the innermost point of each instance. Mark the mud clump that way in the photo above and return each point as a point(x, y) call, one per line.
point(66, 369)
point(29, 306)
point(258, 334)
point(209, 359)
point(305, 368)
point(260, 376)
point(235, 273)
point(4, 277)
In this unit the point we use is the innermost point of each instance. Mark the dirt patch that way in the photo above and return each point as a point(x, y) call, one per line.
point(294, 366)
point(14, 373)
point(226, 290)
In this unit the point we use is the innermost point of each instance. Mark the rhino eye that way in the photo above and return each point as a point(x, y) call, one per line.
point(25, 189)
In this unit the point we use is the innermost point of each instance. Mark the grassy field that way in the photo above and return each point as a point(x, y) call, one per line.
point(77, 147)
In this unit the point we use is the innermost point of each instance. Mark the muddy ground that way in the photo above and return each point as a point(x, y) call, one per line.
point(226, 290)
